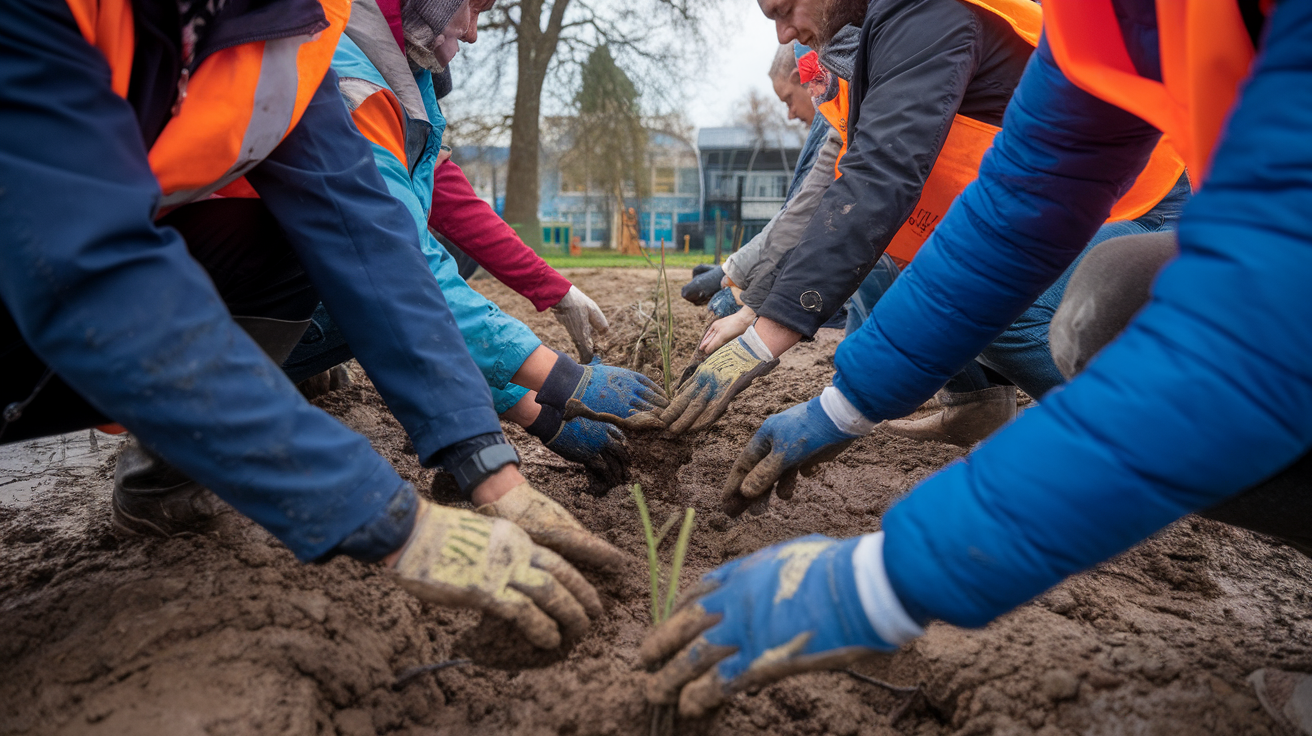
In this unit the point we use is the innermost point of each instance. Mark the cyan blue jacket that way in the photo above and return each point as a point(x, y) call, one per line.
point(117, 307)
point(498, 342)
point(1207, 392)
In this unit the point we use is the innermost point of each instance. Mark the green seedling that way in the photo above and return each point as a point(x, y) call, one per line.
point(663, 605)
point(664, 323)
point(662, 717)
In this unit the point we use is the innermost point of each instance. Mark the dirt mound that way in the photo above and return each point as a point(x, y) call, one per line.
point(226, 634)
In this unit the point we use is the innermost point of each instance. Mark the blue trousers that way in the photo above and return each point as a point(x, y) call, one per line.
point(1021, 353)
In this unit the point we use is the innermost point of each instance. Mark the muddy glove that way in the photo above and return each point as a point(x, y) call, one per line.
point(705, 396)
point(603, 393)
point(800, 439)
point(598, 446)
point(551, 526)
point(460, 559)
point(805, 605)
point(581, 316)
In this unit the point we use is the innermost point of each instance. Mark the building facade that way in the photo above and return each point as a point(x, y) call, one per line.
point(745, 177)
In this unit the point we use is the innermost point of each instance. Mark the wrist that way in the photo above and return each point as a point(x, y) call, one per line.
point(752, 339)
point(547, 424)
point(880, 603)
point(561, 382)
point(775, 336)
point(496, 485)
point(476, 459)
point(535, 369)
point(845, 416)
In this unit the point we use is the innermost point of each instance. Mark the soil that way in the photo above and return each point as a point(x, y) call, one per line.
point(225, 633)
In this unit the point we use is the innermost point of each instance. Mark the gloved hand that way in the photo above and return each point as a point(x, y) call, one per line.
point(788, 609)
point(603, 393)
point(797, 440)
point(598, 446)
point(705, 396)
point(463, 560)
point(580, 316)
point(551, 526)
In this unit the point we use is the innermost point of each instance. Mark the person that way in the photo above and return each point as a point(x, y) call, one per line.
point(907, 155)
point(384, 94)
point(1202, 403)
point(121, 314)
point(748, 272)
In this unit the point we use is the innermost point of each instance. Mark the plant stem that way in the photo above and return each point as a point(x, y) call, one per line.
point(680, 549)
point(653, 563)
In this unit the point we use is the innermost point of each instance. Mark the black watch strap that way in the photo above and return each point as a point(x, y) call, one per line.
point(477, 467)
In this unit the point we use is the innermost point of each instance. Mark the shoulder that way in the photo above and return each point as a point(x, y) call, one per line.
point(351, 63)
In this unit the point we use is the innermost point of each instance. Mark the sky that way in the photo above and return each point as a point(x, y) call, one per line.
point(740, 61)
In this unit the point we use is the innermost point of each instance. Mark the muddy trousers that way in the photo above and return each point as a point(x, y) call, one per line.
point(242, 248)
point(1108, 288)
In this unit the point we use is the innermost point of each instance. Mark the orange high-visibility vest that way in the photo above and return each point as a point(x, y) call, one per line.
point(835, 112)
point(240, 103)
point(1206, 54)
point(967, 140)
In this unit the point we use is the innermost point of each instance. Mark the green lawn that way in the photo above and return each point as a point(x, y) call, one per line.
point(611, 259)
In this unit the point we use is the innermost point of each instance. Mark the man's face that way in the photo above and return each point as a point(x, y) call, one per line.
point(795, 20)
point(794, 94)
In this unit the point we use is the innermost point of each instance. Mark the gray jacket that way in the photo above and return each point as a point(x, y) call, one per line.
point(753, 267)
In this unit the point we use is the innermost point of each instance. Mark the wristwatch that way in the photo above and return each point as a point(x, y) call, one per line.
point(478, 467)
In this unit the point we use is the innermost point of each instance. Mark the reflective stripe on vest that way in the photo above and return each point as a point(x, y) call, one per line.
point(958, 161)
point(240, 103)
point(1206, 54)
point(378, 114)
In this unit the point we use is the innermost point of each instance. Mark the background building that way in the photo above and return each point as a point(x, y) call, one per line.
point(745, 176)
point(691, 189)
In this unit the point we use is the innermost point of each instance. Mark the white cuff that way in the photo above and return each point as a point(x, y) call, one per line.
point(754, 341)
point(887, 616)
point(846, 417)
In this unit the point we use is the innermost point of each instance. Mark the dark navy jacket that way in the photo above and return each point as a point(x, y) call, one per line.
point(1208, 391)
point(117, 307)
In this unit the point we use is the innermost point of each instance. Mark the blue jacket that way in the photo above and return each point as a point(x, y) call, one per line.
point(1207, 392)
point(117, 307)
point(366, 57)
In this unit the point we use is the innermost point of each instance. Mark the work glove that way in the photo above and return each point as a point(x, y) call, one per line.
point(602, 393)
point(463, 560)
point(705, 396)
point(788, 609)
point(550, 525)
point(795, 441)
point(598, 446)
point(580, 316)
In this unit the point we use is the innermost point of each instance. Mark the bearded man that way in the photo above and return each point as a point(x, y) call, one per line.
point(918, 90)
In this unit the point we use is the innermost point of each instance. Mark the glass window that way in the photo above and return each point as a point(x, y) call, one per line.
point(689, 181)
point(663, 180)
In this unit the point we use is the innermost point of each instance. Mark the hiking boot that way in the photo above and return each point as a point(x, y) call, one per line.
point(155, 499)
point(322, 384)
point(966, 418)
point(1286, 697)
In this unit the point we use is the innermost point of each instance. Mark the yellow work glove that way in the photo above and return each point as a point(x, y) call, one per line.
point(463, 560)
point(705, 396)
point(551, 526)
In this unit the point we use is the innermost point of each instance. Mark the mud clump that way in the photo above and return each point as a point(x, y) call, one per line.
point(227, 634)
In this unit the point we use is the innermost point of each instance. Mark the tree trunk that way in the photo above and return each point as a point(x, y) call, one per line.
point(535, 46)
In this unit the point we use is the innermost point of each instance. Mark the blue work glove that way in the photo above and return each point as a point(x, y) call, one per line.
point(723, 304)
point(797, 440)
point(788, 609)
point(598, 446)
point(603, 393)
point(705, 396)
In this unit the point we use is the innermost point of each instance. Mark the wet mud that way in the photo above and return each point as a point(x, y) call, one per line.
point(225, 633)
